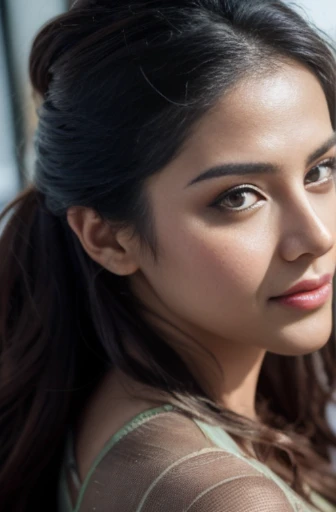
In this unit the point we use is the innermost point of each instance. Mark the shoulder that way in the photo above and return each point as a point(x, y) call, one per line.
point(166, 463)
point(108, 410)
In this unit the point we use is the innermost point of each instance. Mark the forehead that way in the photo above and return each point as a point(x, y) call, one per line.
point(287, 105)
point(280, 115)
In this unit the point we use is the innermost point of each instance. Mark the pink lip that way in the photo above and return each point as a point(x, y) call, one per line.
point(307, 295)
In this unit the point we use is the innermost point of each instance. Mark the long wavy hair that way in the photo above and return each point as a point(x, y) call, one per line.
point(121, 85)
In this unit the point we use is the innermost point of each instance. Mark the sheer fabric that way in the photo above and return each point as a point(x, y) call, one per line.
point(165, 462)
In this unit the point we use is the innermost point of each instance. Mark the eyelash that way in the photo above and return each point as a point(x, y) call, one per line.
point(330, 163)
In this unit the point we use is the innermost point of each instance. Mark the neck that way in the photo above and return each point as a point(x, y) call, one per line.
point(233, 382)
point(226, 370)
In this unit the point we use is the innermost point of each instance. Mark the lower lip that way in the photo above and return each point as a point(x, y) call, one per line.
point(308, 300)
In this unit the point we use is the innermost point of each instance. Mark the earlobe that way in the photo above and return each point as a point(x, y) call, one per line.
point(110, 246)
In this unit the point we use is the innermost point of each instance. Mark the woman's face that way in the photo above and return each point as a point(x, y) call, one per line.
point(261, 221)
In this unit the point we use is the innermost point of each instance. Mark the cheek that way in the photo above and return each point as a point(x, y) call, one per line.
point(325, 206)
point(223, 262)
point(330, 212)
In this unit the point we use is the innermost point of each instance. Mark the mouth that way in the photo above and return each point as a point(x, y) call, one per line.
point(307, 295)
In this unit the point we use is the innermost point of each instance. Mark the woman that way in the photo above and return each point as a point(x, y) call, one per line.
point(166, 280)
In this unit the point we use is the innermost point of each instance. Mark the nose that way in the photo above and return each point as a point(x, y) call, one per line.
point(307, 230)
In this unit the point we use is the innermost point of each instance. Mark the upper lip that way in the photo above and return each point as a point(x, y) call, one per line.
point(308, 285)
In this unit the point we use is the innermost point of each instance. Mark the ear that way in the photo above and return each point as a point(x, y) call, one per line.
point(112, 247)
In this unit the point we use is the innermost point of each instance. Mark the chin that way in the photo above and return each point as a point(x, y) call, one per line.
point(304, 337)
point(303, 349)
point(300, 345)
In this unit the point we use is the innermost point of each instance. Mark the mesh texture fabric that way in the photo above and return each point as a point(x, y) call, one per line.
point(167, 464)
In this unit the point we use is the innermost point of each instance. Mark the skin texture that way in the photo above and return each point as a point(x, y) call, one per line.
point(209, 291)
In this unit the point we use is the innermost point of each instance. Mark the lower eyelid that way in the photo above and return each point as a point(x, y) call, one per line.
point(322, 182)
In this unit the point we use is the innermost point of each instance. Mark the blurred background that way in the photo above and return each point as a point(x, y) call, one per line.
point(19, 22)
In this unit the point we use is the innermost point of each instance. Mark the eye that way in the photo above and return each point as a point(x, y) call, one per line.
point(240, 198)
point(321, 173)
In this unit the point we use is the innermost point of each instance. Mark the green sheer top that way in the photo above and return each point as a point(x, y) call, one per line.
point(162, 461)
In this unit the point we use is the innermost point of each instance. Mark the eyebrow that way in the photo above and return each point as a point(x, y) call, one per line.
point(239, 169)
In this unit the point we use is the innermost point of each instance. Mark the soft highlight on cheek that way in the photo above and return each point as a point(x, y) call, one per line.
point(236, 263)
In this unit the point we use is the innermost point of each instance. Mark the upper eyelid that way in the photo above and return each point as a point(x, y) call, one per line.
point(325, 160)
point(243, 186)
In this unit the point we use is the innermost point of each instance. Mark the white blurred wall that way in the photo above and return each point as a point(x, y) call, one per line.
point(23, 18)
point(9, 181)
point(322, 13)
